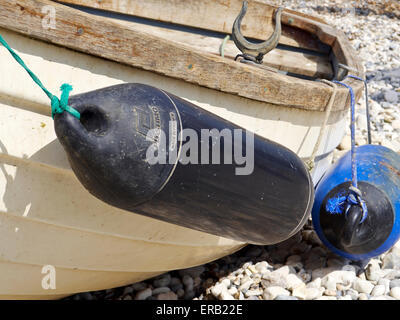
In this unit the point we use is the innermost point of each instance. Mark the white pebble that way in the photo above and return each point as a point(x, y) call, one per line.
point(245, 286)
point(312, 293)
point(363, 296)
point(248, 272)
point(361, 122)
point(329, 282)
point(272, 292)
point(293, 281)
point(363, 286)
point(352, 293)
point(252, 269)
point(226, 283)
point(396, 124)
point(225, 295)
point(373, 272)
point(379, 290)
point(263, 266)
point(217, 289)
point(386, 283)
point(245, 279)
point(315, 283)
point(283, 271)
point(300, 291)
point(254, 292)
point(395, 292)
point(392, 259)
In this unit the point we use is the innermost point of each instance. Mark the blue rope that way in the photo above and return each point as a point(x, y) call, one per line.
point(366, 106)
point(352, 133)
point(336, 205)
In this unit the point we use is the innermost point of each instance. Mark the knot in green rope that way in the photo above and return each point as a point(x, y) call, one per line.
point(61, 105)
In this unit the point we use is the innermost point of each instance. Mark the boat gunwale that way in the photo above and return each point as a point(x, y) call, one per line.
point(280, 89)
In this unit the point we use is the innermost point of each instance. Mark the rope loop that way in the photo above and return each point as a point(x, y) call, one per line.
point(366, 106)
point(355, 196)
point(310, 163)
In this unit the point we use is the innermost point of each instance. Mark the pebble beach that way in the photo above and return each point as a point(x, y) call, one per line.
point(302, 268)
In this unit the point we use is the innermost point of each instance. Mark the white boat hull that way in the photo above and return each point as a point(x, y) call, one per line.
point(48, 218)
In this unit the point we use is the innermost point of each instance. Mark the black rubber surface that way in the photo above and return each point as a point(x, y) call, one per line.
point(108, 151)
point(346, 233)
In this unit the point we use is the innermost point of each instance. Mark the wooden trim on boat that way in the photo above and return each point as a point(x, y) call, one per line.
point(281, 58)
point(210, 15)
point(100, 37)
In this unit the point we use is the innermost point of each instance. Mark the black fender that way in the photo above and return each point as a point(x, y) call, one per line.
point(263, 200)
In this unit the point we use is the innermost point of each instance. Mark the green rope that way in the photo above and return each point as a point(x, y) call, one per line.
point(57, 106)
point(222, 46)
